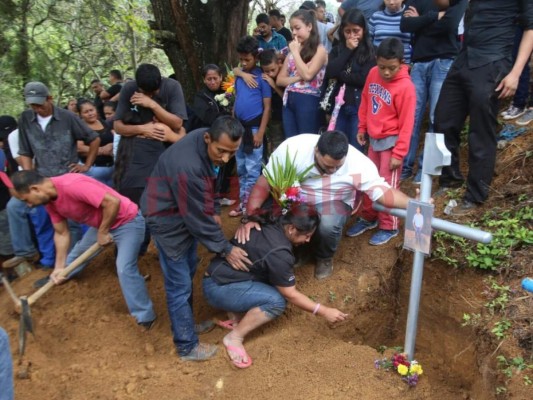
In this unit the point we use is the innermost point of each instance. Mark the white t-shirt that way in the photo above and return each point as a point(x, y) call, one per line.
point(357, 173)
point(43, 121)
point(13, 140)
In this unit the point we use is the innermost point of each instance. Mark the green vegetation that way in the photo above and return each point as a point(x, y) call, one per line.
point(511, 230)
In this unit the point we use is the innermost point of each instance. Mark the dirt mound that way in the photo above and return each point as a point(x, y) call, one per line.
point(88, 347)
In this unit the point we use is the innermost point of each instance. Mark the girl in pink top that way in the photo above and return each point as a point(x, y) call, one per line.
point(302, 75)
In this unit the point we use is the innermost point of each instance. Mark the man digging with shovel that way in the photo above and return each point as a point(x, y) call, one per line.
point(110, 217)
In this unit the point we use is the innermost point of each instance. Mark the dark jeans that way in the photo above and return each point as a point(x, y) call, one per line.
point(471, 92)
point(178, 275)
point(300, 114)
point(333, 216)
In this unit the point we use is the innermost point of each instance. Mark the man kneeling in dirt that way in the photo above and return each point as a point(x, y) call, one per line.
point(338, 172)
point(110, 217)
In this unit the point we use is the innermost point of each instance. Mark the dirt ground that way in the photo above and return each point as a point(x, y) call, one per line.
point(86, 346)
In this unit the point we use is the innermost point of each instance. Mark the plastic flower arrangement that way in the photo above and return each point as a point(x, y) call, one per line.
point(284, 181)
point(227, 98)
point(409, 370)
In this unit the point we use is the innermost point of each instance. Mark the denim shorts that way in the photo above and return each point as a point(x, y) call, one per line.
point(240, 297)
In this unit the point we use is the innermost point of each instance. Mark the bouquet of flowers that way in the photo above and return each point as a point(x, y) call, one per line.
point(284, 181)
point(410, 371)
point(227, 98)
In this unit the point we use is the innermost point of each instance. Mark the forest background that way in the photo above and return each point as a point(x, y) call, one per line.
point(68, 43)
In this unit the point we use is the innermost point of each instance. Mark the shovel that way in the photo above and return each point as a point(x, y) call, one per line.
point(23, 303)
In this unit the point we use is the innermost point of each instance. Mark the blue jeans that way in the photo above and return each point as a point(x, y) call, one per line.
point(348, 122)
point(6, 368)
point(248, 169)
point(333, 217)
point(300, 114)
point(178, 275)
point(428, 78)
point(20, 230)
point(102, 174)
point(240, 297)
point(128, 239)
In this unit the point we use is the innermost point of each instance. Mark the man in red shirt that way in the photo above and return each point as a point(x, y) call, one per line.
point(111, 218)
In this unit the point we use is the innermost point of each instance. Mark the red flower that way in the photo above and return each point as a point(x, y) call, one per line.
point(292, 192)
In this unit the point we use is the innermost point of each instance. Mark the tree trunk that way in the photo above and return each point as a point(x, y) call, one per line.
point(201, 34)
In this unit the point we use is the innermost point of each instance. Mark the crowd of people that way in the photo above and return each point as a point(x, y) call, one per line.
point(343, 98)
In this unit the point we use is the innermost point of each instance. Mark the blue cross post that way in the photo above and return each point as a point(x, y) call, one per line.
point(436, 156)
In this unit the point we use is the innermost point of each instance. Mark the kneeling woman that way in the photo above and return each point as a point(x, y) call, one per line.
point(255, 297)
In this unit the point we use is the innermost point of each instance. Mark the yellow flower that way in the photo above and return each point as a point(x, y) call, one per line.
point(402, 369)
point(416, 369)
point(231, 89)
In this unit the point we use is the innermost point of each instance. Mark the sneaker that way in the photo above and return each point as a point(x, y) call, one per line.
point(13, 262)
point(465, 208)
point(201, 352)
point(417, 180)
point(360, 227)
point(526, 118)
point(514, 112)
point(147, 325)
point(405, 175)
point(227, 202)
point(382, 236)
point(323, 268)
point(204, 327)
point(506, 111)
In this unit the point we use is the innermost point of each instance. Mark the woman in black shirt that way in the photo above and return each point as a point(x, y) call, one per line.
point(255, 297)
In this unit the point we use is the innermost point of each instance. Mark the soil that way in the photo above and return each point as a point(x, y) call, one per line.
point(86, 346)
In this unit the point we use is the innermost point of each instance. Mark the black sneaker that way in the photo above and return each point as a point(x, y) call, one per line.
point(147, 325)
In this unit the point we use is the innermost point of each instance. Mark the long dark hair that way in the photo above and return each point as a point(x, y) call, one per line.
point(304, 217)
point(365, 49)
point(310, 46)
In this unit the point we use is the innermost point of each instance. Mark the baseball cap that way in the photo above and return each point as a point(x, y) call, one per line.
point(36, 93)
point(308, 5)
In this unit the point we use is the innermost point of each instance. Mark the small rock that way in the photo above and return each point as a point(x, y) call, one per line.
point(105, 318)
point(149, 349)
point(150, 366)
point(23, 374)
point(220, 384)
point(130, 387)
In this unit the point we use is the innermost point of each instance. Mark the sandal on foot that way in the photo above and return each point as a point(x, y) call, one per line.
point(241, 352)
point(228, 324)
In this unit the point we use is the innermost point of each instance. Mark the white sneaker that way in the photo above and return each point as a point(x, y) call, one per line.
point(514, 112)
point(526, 118)
point(227, 202)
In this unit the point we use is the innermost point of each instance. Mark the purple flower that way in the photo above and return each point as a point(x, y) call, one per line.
point(377, 364)
point(411, 380)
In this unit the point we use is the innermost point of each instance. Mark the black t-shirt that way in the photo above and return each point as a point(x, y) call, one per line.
point(114, 89)
point(106, 137)
point(99, 104)
point(272, 257)
point(146, 152)
point(286, 33)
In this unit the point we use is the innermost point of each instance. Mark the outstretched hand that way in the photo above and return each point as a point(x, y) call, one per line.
point(333, 315)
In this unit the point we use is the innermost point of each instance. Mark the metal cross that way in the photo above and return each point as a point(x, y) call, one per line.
point(436, 156)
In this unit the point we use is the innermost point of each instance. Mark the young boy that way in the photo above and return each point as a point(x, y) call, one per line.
point(252, 108)
point(386, 115)
point(271, 63)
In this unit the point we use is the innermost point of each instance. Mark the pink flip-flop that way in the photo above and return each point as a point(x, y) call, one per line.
point(228, 324)
point(240, 351)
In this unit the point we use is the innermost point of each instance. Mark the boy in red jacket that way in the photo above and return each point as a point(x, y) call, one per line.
point(386, 115)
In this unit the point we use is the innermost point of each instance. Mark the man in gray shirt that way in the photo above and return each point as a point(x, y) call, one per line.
point(48, 138)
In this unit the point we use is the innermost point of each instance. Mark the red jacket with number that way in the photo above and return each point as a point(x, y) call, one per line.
point(388, 108)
